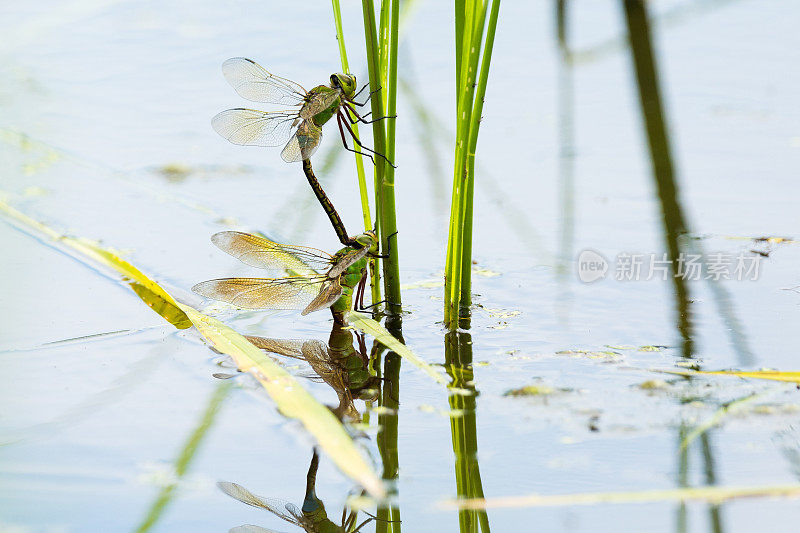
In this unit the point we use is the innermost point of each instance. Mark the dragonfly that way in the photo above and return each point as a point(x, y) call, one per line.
point(299, 127)
point(312, 517)
point(337, 363)
point(320, 280)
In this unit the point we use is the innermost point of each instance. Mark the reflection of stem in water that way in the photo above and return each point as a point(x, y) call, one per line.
point(683, 477)
point(674, 222)
point(389, 517)
point(660, 155)
point(463, 428)
point(566, 159)
point(672, 17)
point(711, 479)
point(185, 458)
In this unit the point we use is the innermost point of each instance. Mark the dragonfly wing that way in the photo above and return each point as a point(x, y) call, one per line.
point(317, 354)
point(250, 127)
point(328, 294)
point(303, 143)
point(236, 491)
point(262, 293)
point(254, 82)
point(289, 348)
point(348, 259)
point(249, 528)
point(263, 253)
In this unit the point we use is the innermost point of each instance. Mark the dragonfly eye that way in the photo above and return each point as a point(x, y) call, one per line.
point(335, 83)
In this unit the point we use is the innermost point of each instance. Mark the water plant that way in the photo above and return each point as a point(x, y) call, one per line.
point(473, 58)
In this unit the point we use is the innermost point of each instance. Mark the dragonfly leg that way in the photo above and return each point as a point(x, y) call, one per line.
point(361, 90)
point(340, 121)
point(362, 524)
point(361, 119)
point(389, 245)
point(359, 299)
point(355, 140)
point(362, 104)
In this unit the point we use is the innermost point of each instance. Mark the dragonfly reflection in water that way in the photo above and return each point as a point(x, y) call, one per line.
point(312, 517)
point(338, 363)
point(301, 127)
point(321, 281)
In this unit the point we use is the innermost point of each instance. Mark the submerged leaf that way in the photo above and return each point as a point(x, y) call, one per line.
point(364, 324)
point(715, 494)
point(774, 375)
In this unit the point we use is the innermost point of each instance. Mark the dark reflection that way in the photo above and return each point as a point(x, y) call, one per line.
point(715, 518)
point(389, 515)
point(342, 363)
point(311, 517)
point(675, 227)
point(709, 474)
point(673, 219)
point(463, 427)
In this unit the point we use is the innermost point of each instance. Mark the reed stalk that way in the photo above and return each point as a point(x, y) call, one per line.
point(382, 66)
point(470, 19)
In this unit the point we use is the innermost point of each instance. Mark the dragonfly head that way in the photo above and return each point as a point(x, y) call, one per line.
point(368, 239)
point(345, 82)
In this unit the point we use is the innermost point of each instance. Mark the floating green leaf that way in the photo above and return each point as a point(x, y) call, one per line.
point(364, 324)
point(773, 375)
point(709, 494)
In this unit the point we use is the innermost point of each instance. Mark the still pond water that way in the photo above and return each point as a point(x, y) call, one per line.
point(104, 133)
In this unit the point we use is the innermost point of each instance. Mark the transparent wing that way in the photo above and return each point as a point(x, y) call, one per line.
point(254, 82)
point(347, 260)
point(250, 127)
point(317, 354)
point(272, 505)
point(249, 528)
point(328, 294)
point(263, 293)
point(303, 143)
point(287, 347)
point(263, 253)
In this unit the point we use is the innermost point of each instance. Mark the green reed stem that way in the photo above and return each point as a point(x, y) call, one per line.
point(384, 137)
point(375, 287)
point(466, 264)
point(471, 89)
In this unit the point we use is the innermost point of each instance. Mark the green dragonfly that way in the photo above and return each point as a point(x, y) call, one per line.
point(337, 363)
point(312, 517)
point(301, 127)
point(320, 280)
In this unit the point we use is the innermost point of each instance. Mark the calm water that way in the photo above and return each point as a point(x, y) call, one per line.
point(96, 98)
